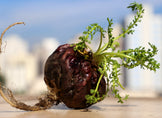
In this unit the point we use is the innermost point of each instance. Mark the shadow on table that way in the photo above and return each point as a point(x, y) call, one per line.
point(64, 107)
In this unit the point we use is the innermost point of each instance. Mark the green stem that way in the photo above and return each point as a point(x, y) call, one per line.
point(127, 51)
point(98, 83)
point(121, 85)
point(100, 50)
point(129, 27)
point(100, 42)
point(116, 54)
point(104, 70)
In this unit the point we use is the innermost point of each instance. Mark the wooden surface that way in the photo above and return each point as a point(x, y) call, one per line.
point(109, 108)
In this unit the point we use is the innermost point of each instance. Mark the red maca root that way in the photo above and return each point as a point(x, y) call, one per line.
point(71, 76)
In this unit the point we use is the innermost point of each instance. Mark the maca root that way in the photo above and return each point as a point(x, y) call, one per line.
point(44, 103)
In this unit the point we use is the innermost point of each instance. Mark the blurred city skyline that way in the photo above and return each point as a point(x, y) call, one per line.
point(63, 20)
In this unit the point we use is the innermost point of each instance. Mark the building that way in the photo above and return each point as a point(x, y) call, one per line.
point(23, 69)
point(17, 65)
point(42, 51)
point(149, 30)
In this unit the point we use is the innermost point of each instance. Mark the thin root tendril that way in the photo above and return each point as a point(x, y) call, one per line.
point(44, 103)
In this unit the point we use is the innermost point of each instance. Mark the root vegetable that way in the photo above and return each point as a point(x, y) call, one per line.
point(71, 76)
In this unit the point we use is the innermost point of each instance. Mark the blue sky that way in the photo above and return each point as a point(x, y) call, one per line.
point(62, 19)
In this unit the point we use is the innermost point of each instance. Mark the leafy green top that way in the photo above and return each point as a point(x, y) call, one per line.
point(107, 61)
